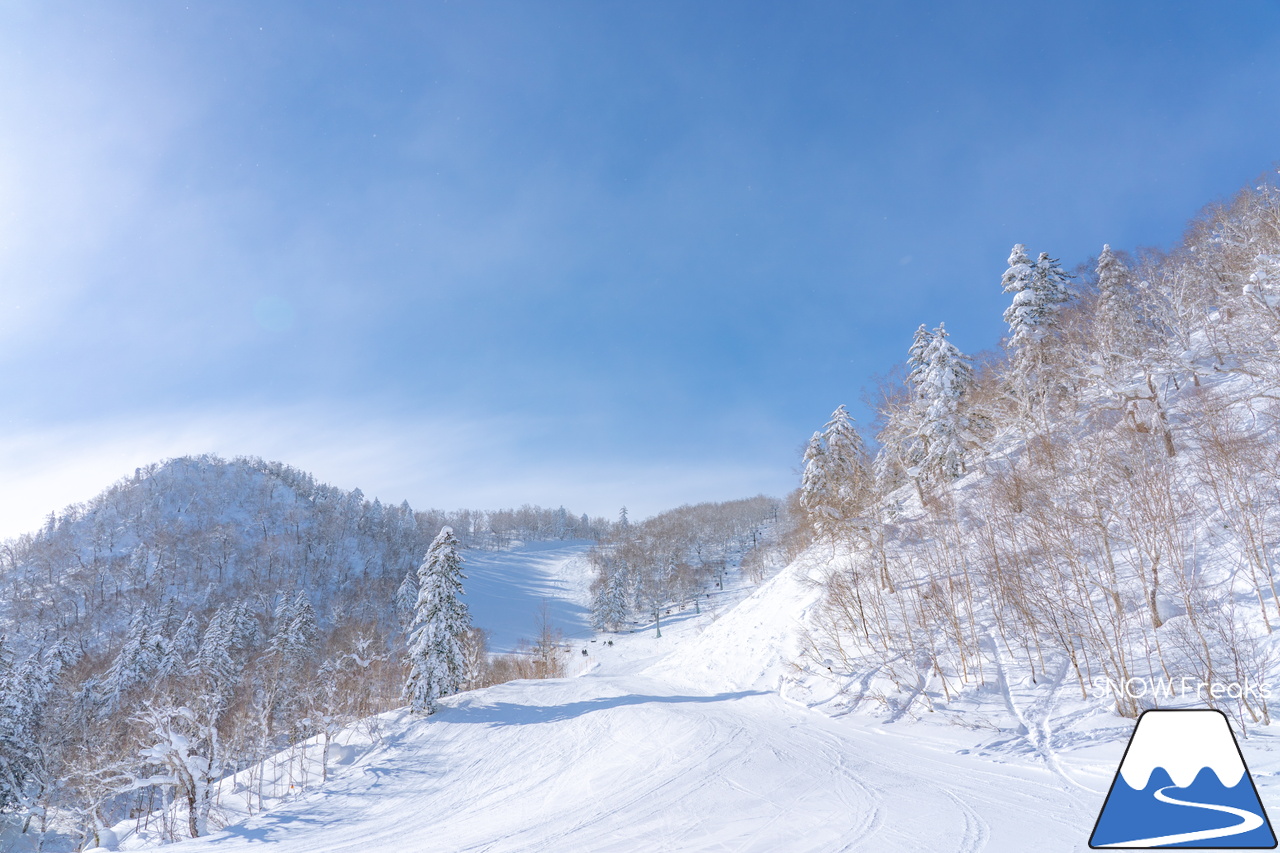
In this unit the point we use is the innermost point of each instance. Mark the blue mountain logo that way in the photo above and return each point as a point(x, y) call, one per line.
point(1183, 783)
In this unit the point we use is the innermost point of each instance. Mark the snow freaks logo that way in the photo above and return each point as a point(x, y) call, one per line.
point(1183, 783)
point(1185, 687)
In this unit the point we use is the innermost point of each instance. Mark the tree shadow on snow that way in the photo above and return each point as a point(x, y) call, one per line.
point(266, 826)
point(512, 714)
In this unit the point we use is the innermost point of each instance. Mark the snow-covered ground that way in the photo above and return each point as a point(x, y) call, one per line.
point(505, 590)
point(716, 736)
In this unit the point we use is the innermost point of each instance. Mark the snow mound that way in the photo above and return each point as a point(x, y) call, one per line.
point(755, 645)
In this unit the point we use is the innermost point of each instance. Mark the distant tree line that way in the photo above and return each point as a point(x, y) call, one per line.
point(674, 557)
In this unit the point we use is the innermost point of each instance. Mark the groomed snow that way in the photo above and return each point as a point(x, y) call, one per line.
point(628, 763)
point(505, 590)
point(694, 741)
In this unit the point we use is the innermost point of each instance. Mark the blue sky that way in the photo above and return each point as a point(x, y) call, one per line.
point(586, 253)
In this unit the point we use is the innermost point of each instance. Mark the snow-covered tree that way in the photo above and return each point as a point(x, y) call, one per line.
point(916, 354)
point(437, 664)
point(25, 690)
point(1116, 321)
point(220, 662)
point(407, 598)
point(610, 593)
point(814, 480)
point(296, 631)
point(941, 381)
point(837, 483)
point(182, 649)
point(16, 757)
point(1039, 291)
point(182, 752)
point(137, 661)
point(1264, 280)
point(287, 675)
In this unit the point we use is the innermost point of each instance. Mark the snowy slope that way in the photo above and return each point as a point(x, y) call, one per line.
point(505, 590)
point(629, 763)
point(684, 742)
point(753, 646)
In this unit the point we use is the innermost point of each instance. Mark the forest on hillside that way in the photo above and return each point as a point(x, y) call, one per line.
point(204, 614)
point(201, 615)
point(673, 558)
point(1098, 500)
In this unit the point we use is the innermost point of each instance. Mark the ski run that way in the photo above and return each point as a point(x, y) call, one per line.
point(710, 737)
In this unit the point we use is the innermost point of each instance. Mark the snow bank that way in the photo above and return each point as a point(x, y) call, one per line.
point(755, 645)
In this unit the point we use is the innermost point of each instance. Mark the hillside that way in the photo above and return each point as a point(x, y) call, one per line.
point(653, 746)
point(242, 594)
point(1094, 504)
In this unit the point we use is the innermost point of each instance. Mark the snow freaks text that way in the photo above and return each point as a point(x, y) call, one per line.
point(1182, 687)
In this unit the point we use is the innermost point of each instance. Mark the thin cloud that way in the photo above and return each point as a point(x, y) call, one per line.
point(430, 463)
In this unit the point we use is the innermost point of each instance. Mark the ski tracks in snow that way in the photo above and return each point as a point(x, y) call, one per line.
point(1033, 719)
point(976, 830)
point(623, 763)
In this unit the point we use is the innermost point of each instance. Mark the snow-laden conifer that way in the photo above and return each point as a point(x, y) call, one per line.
point(611, 593)
point(182, 648)
point(1116, 321)
point(15, 757)
point(1039, 290)
point(941, 382)
point(436, 660)
point(917, 358)
point(139, 659)
point(25, 690)
point(813, 480)
point(220, 660)
point(837, 481)
point(296, 631)
point(407, 598)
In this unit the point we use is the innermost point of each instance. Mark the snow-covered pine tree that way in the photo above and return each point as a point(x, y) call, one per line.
point(1039, 290)
point(25, 690)
point(814, 481)
point(286, 680)
point(1115, 321)
point(219, 663)
point(139, 658)
point(917, 358)
point(296, 631)
point(941, 381)
point(847, 458)
point(407, 598)
point(436, 661)
point(611, 591)
point(611, 596)
point(837, 483)
point(182, 649)
point(1017, 279)
point(900, 456)
point(15, 757)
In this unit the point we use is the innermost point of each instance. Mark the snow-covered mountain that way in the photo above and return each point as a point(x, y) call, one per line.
point(239, 604)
